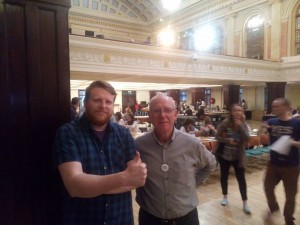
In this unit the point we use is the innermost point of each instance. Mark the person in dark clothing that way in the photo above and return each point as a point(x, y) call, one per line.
point(98, 163)
point(74, 106)
point(233, 133)
point(188, 111)
point(282, 167)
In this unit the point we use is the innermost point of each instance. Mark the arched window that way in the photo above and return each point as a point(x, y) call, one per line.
point(217, 46)
point(187, 40)
point(297, 35)
point(209, 39)
point(255, 38)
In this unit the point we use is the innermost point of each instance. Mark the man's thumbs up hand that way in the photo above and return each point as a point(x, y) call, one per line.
point(136, 171)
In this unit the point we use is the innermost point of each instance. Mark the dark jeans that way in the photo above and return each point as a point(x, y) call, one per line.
point(289, 176)
point(146, 218)
point(239, 173)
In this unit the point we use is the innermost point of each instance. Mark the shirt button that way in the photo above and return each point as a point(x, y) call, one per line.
point(104, 167)
point(106, 205)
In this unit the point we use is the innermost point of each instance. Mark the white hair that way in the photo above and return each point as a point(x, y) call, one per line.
point(161, 95)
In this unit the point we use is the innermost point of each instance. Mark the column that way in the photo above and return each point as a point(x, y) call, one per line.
point(35, 99)
point(230, 45)
point(275, 29)
point(175, 94)
point(197, 95)
point(275, 90)
point(231, 95)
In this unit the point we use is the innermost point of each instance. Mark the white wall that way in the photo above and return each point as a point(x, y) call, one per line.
point(249, 94)
point(74, 93)
point(292, 92)
point(217, 93)
point(142, 96)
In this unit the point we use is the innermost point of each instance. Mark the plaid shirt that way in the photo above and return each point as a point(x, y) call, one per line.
point(75, 141)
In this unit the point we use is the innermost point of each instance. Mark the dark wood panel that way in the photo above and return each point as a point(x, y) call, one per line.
point(197, 95)
point(175, 94)
point(231, 95)
point(35, 90)
point(275, 90)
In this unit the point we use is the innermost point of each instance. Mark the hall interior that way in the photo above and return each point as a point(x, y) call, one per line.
point(233, 50)
point(52, 49)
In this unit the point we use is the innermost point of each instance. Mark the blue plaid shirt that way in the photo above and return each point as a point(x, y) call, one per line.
point(75, 141)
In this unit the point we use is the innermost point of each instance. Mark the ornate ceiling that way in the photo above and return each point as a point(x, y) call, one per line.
point(145, 11)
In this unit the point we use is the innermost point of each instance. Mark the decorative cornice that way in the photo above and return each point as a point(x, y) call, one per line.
point(89, 21)
point(103, 56)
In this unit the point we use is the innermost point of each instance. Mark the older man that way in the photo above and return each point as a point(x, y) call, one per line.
point(172, 158)
point(98, 163)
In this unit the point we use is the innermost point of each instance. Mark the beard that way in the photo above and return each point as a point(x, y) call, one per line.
point(97, 119)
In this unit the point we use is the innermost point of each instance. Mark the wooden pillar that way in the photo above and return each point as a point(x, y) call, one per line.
point(275, 90)
point(152, 94)
point(231, 95)
point(197, 95)
point(35, 100)
point(175, 94)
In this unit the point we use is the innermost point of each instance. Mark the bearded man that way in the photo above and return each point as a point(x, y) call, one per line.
point(98, 163)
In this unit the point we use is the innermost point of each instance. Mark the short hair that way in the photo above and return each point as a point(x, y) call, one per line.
point(283, 101)
point(99, 84)
point(207, 120)
point(188, 121)
point(118, 115)
point(160, 95)
point(74, 100)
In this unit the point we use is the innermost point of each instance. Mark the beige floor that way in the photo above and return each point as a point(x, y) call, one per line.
point(212, 213)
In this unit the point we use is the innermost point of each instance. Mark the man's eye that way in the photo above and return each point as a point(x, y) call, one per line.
point(168, 110)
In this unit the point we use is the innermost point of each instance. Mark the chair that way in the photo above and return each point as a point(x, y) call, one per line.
point(207, 145)
point(214, 145)
point(264, 140)
point(253, 142)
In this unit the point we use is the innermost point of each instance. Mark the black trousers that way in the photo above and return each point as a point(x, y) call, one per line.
point(239, 173)
point(146, 218)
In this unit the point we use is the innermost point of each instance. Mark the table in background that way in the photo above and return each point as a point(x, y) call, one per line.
point(142, 119)
point(210, 143)
point(216, 117)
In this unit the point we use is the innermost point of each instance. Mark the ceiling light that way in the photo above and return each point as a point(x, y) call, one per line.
point(255, 22)
point(171, 5)
point(204, 38)
point(166, 37)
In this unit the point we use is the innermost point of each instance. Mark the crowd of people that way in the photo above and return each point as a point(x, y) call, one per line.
point(100, 163)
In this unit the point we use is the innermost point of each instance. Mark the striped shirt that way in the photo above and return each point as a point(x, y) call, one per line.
point(75, 141)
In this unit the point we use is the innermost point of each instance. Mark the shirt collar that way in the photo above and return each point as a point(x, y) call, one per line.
point(174, 134)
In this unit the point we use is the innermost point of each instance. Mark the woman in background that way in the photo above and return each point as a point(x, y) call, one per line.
point(208, 129)
point(233, 133)
point(132, 124)
point(119, 119)
point(188, 127)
